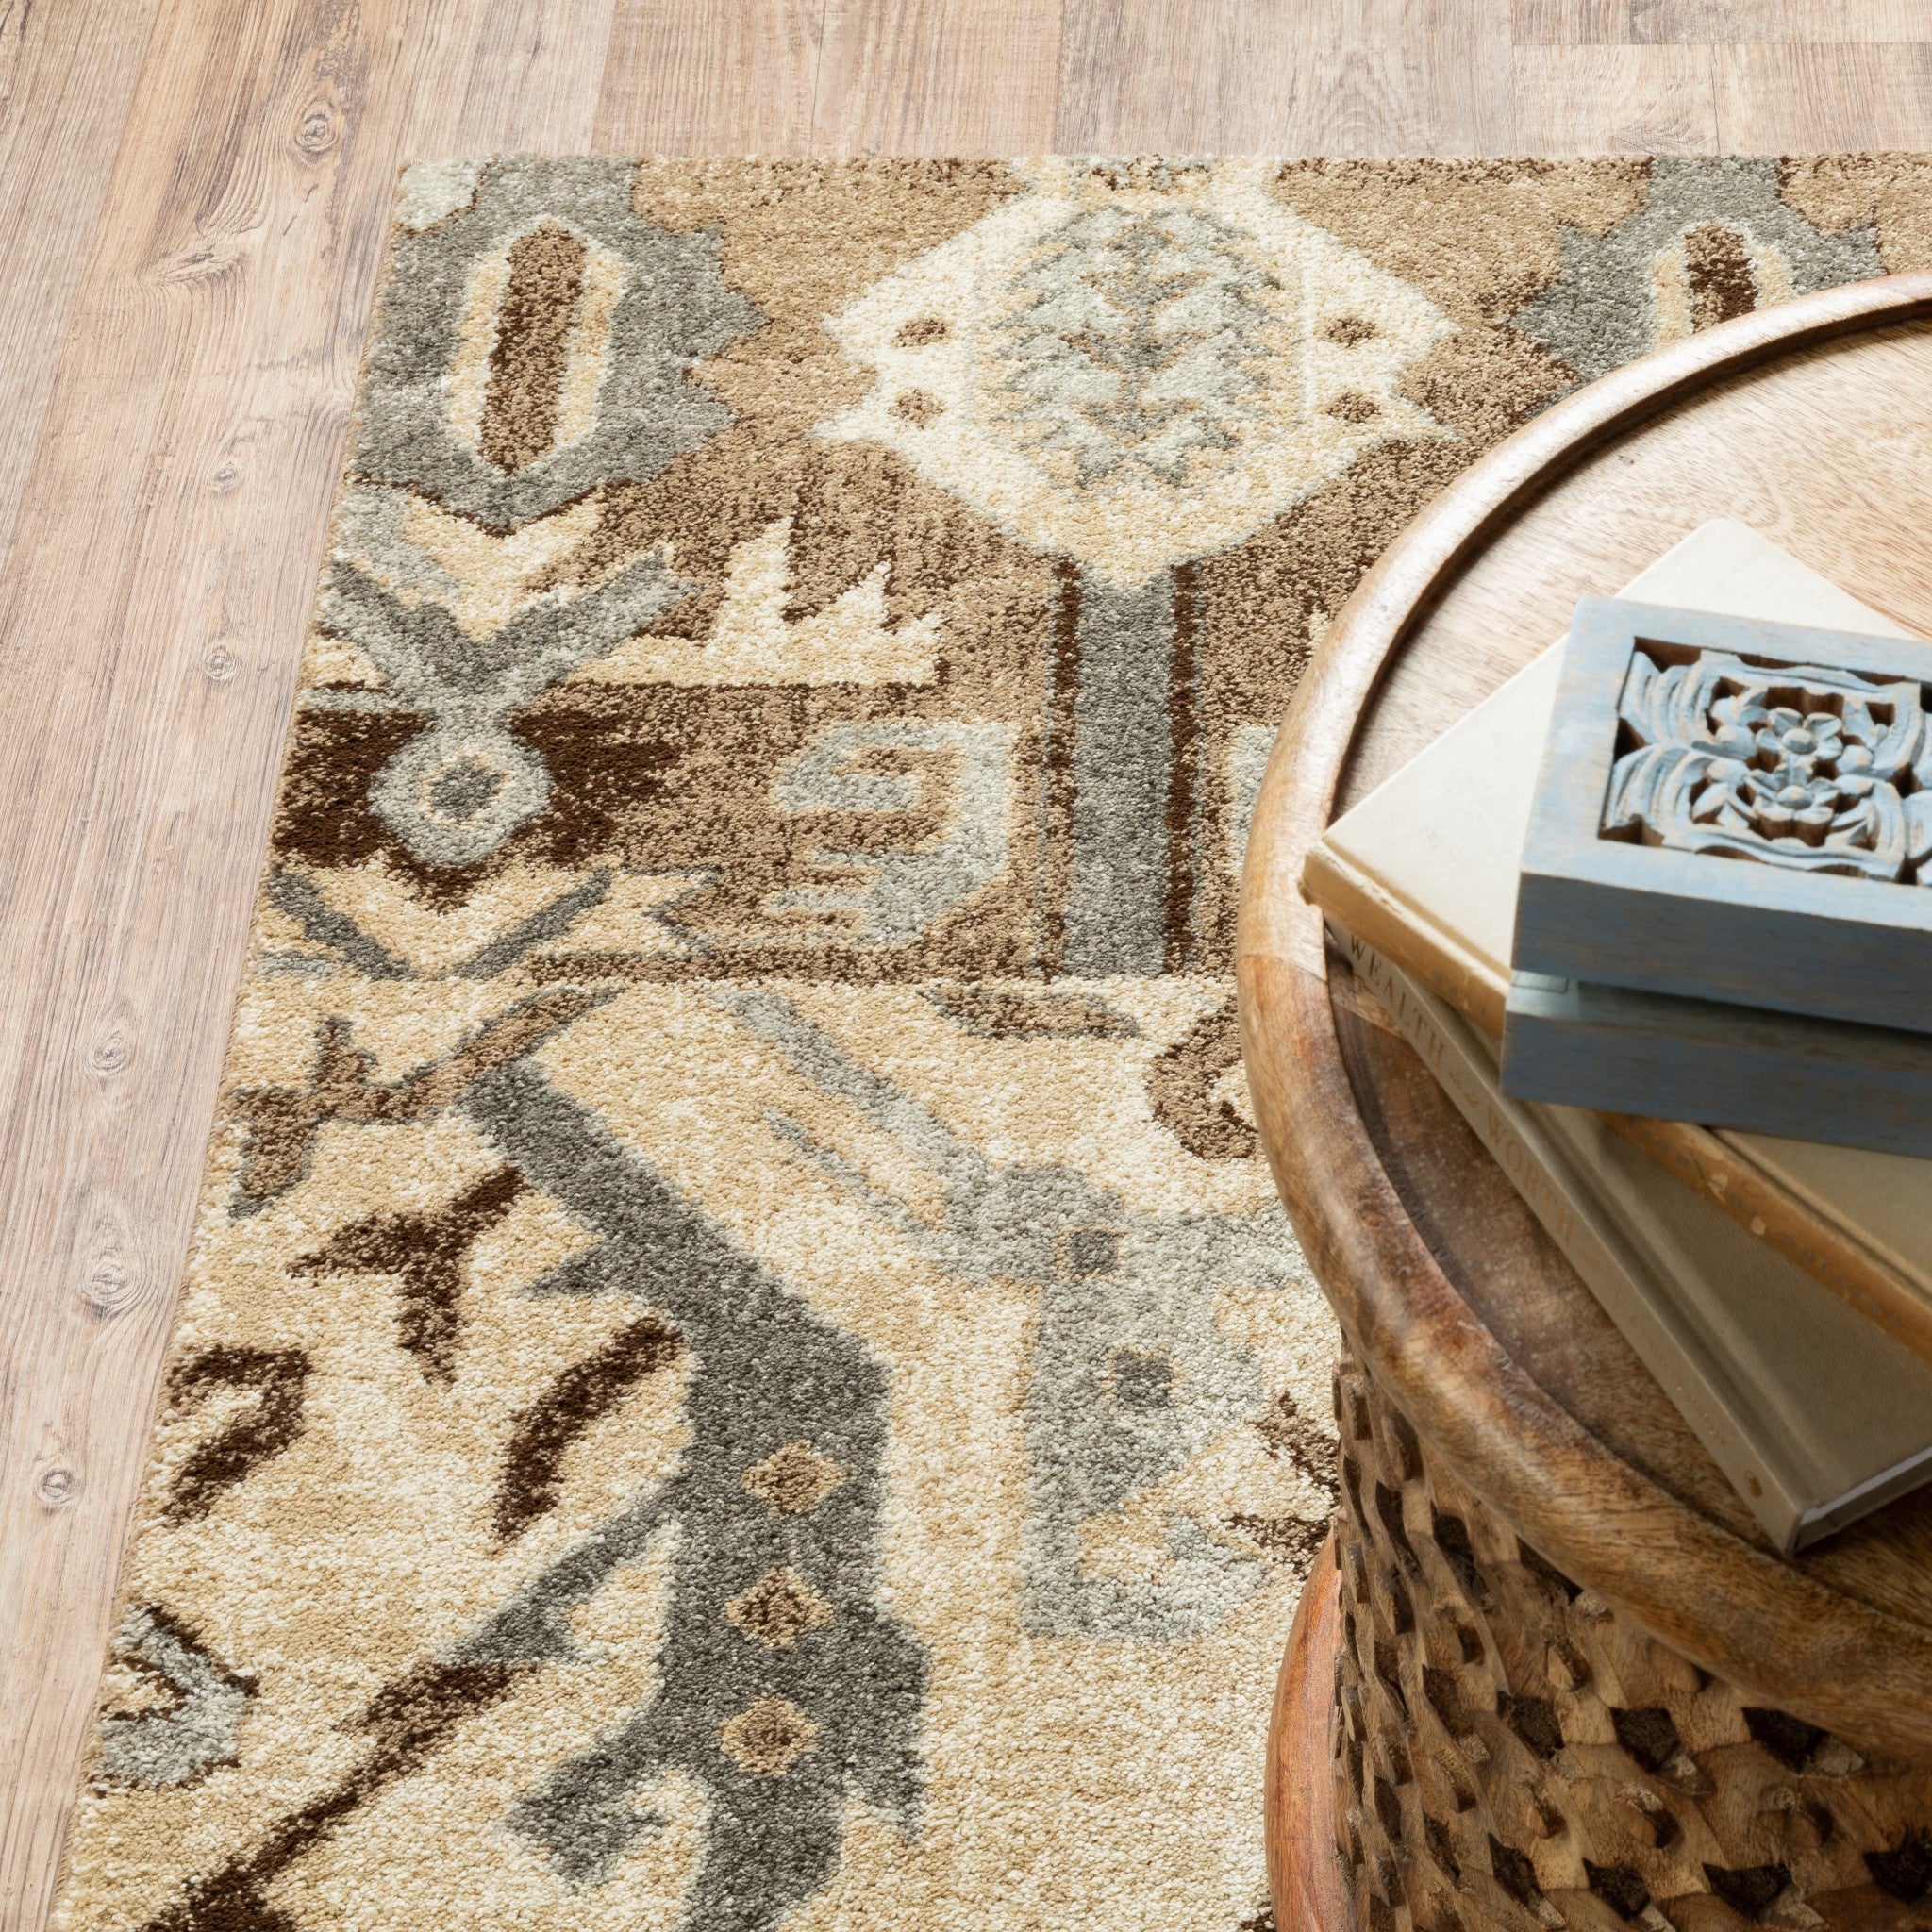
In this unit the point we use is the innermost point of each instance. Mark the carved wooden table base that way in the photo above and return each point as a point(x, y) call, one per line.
point(1510, 1754)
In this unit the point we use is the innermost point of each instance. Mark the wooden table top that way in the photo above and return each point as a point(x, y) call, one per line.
point(1813, 423)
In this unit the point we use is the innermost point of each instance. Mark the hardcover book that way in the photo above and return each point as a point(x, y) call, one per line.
point(1435, 892)
point(1815, 1416)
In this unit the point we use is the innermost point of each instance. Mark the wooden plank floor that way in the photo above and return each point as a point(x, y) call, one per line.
point(192, 201)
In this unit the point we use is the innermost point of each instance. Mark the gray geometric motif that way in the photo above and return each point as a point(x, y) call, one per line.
point(1602, 312)
point(1130, 1378)
point(1138, 348)
point(769, 1375)
point(322, 925)
point(455, 792)
point(673, 309)
point(1122, 759)
point(1131, 1374)
point(178, 1741)
point(906, 889)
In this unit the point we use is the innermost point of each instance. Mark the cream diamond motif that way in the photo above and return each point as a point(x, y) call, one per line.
point(1137, 364)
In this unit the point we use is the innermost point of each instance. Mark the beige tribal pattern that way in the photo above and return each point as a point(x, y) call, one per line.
point(741, 1367)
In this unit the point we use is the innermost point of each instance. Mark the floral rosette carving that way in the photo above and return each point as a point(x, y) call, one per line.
point(1801, 766)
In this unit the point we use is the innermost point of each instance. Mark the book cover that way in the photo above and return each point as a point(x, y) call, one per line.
point(1815, 1416)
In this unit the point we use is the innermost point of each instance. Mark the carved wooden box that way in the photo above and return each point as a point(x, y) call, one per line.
point(1735, 810)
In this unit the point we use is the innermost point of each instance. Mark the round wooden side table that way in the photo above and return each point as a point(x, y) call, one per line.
point(1550, 1673)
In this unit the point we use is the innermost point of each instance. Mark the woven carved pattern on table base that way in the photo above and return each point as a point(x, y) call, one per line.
point(1510, 1754)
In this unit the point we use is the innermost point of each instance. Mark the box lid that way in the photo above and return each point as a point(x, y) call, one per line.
point(1737, 810)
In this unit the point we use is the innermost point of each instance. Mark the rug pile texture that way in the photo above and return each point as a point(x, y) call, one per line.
point(741, 1367)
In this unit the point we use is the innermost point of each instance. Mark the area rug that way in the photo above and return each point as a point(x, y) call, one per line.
point(741, 1367)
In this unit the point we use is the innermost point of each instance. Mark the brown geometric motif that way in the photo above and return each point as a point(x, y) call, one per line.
point(778, 1609)
point(247, 1439)
point(283, 1121)
point(580, 1398)
point(768, 1738)
point(794, 1479)
point(429, 1254)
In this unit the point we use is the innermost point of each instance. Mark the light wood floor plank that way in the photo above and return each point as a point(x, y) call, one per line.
point(1615, 100)
point(165, 563)
point(1799, 99)
point(1406, 76)
point(1327, 76)
point(1718, 23)
point(938, 77)
point(1253, 76)
point(67, 72)
point(694, 78)
point(1172, 76)
point(1572, 22)
point(536, 78)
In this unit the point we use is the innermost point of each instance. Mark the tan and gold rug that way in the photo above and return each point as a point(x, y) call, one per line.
point(741, 1367)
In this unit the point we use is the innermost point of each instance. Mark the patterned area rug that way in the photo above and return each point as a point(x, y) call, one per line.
point(741, 1367)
